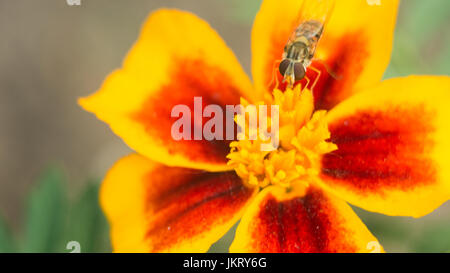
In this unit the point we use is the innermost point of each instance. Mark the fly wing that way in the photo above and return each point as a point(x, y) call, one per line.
point(312, 18)
point(318, 10)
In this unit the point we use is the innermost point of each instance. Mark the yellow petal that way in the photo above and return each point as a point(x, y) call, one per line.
point(393, 143)
point(176, 58)
point(155, 208)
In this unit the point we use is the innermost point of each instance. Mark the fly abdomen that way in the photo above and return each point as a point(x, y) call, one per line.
point(311, 30)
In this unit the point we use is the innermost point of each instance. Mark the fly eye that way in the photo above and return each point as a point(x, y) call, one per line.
point(283, 66)
point(299, 71)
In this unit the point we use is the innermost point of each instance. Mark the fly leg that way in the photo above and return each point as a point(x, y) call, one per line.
point(275, 71)
point(329, 70)
point(316, 80)
point(307, 82)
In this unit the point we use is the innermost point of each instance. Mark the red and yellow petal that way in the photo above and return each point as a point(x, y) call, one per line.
point(303, 220)
point(176, 58)
point(155, 208)
point(393, 147)
point(353, 53)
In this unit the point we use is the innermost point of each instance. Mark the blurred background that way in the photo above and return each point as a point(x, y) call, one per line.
point(53, 155)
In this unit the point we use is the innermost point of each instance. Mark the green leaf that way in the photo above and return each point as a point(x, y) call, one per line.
point(394, 233)
point(434, 238)
point(45, 215)
point(244, 11)
point(6, 239)
point(87, 224)
point(224, 243)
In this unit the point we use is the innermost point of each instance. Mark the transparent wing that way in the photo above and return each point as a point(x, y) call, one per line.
point(319, 10)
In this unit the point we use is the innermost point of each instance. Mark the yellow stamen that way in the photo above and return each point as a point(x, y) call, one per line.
point(302, 134)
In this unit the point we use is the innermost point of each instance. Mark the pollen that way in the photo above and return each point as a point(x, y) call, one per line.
point(303, 136)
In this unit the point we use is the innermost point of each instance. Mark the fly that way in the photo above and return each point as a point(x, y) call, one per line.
point(301, 46)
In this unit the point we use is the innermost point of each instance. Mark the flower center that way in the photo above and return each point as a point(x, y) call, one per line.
point(302, 140)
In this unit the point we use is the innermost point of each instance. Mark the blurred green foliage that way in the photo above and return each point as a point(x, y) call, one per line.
point(402, 234)
point(6, 244)
point(52, 219)
point(422, 39)
point(45, 214)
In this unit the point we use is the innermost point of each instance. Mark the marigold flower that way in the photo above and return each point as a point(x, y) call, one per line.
point(382, 146)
